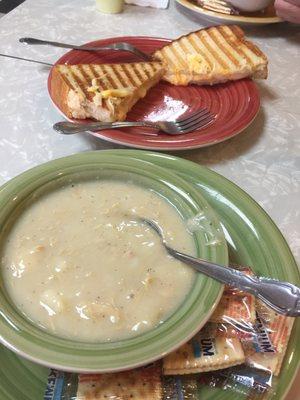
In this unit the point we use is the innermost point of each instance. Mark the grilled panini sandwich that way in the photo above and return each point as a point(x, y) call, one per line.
point(212, 55)
point(103, 92)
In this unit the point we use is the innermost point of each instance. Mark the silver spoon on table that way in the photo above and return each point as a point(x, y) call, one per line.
point(283, 297)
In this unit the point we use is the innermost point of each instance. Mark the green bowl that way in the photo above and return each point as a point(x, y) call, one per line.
point(30, 341)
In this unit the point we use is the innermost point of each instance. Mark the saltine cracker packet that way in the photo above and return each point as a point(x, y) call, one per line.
point(138, 384)
point(204, 353)
point(235, 306)
point(278, 327)
point(143, 383)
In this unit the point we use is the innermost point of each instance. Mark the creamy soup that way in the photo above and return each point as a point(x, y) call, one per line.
point(79, 263)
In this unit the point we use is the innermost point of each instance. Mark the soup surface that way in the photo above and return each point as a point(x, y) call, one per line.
point(79, 263)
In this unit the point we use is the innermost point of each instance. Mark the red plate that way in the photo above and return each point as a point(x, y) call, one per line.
point(235, 104)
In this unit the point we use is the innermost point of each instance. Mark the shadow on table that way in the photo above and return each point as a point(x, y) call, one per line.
point(290, 32)
point(101, 144)
point(267, 92)
point(230, 149)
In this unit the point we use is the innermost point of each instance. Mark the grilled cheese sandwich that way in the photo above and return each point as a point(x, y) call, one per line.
point(104, 92)
point(210, 56)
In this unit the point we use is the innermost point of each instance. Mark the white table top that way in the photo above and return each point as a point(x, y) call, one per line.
point(264, 160)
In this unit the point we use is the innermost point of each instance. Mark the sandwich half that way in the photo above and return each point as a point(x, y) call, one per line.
point(104, 92)
point(212, 55)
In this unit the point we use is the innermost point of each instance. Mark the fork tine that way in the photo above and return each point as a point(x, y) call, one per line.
point(197, 125)
point(192, 116)
point(196, 120)
point(193, 120)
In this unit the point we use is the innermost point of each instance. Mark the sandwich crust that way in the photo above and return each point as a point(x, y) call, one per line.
point(59, 91)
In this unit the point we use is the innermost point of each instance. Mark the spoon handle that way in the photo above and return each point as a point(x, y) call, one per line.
point(70, 128)
point(283, 297)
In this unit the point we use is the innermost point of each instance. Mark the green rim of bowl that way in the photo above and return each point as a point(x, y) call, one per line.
point(25, 338)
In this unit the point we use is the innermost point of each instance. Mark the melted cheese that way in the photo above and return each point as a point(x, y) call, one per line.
point(198, 64)
point(116, 93)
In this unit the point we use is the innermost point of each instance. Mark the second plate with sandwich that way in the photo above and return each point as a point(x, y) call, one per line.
point(234, 104)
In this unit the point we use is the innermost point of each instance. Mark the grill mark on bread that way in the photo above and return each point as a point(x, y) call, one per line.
point(93, 70)
point(210, 46)
point(138, 73)
point(124, 76)
point(188, 47)
point(193, 40)
point(207, 51)
point(109, 82)
point(85, 80)
point(224, 46)
point(75, 70)
point(254, 49)
point(113, 74)
point(177, 49)
point(149, 69)
point(148, 73)
point(77, 78)
point(84, 75)
point(143, 72)
point(237, 31)
point(105, 80)
point(89, 71)
point(235, 42)
point(227, 45)
point(130, 72)
point(168, 54)
point(100, 76)
point(60, 69)
point(125, 79)
point(68, 80)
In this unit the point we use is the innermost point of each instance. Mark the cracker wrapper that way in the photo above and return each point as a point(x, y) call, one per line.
point(243, 355)
point(204, 353)
point(235, 306)
point(137, 384)
point(278, 328)
point(242, 380)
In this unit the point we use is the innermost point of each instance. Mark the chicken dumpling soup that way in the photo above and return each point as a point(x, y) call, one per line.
point(79, 263)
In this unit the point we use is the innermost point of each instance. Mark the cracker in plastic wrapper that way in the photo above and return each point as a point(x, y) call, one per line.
point(235, 305)
point(242, 380)
point(260, 342)
point(234, 329)
point(138, 384)
point(279, 328)
point(181, 387)
point(204, 353)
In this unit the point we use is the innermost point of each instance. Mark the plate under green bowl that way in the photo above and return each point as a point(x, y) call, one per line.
point(28, 340)
point(252, 238)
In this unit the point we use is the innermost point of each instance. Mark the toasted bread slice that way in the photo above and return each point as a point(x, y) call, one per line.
point(212, 55)
point(104, 92)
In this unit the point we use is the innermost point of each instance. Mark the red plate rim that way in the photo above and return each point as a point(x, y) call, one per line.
point(110, 135)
